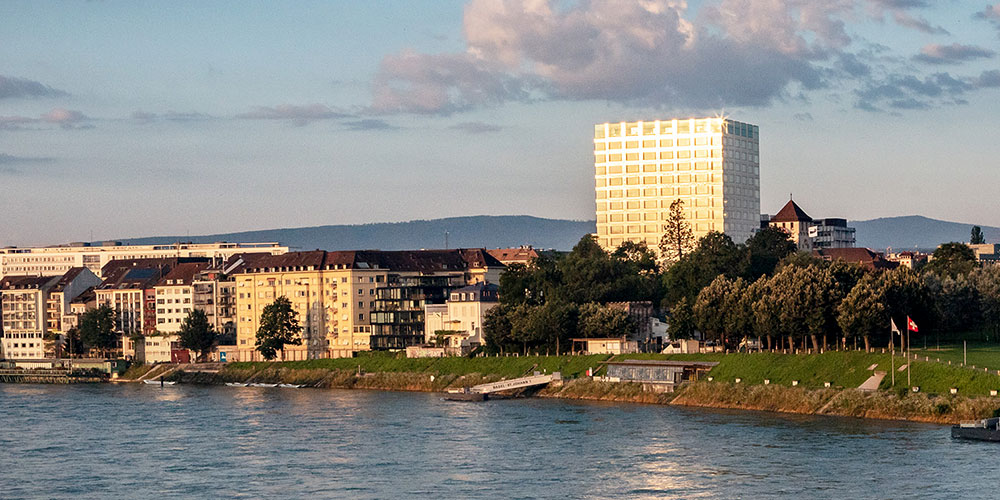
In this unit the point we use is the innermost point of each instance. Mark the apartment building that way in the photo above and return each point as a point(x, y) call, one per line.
point(128, 289)
point(59, 316)
point(461, 316)
point(56, 260)
point(809, 234)
point(344, 298)
point(22, 302)
point(711, 164)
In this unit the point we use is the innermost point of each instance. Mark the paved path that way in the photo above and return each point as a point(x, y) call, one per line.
point(873, 382)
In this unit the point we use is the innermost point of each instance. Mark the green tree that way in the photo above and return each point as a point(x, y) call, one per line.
point(952, 259)
point(715, 255)
point(956, 301)
point(497, 329)
point(764, 250)
point(97, 329)
point(279, 326)
point(197, 334)
point(767, 311)
point(678, 239)
point(598, 320)
point(710, 308)
point(863, 313)
point(906, 295)
point(740, 320)
point(977, 238)
point(72, 345)
point(681, 325)
point(986, 281)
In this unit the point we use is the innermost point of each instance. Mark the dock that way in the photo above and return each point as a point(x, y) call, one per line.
point(481, 392)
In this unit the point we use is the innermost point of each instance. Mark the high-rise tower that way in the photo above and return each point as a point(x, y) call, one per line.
point(711, 164)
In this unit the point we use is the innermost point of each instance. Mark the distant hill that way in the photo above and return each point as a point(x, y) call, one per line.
point(474, 231)
point(915, 231)
point(503, 231)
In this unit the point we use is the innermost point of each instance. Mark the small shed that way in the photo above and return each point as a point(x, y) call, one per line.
point(610, 345)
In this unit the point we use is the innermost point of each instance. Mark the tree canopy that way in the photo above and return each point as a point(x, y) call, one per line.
point(97, 329)
point(197, 334)
point(977, 237)
point(279, 326)
point(677, 237)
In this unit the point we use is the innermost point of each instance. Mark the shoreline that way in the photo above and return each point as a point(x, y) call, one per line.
point(879, 405)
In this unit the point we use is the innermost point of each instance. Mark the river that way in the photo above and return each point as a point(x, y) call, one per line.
point(143, 441)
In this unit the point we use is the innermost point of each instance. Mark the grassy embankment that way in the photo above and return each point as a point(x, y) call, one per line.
point(980, 355)
point(844, 370)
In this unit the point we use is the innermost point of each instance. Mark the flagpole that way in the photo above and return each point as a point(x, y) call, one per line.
point(893, 330)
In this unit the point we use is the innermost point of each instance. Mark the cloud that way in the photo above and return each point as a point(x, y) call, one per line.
point(951, 54)
point(898, 10)
point(911, 92)
point(8, 162)
point(476, 127)
point(644, 53)
point(441, 84)
point(990, 13)
point(12, 87)
point(15, 122)
point(144, 117)
point(6, 159)
point(370, 124)
point(299, 115)
point(66, 118)
point(803, 117)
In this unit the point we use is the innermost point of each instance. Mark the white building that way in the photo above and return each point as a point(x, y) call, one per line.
point(460, 319)
point(23, 301)
point(711, 164)
point(56, 260)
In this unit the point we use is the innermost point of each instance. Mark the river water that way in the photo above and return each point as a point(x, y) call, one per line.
point(143, 441)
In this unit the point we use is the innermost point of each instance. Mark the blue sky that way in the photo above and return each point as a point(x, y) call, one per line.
point(122, 119)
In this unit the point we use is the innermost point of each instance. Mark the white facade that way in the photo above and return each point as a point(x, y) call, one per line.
point(711, 164)
point(173, 304)
point(462, 315)
point(22, 302)
point(55, 261)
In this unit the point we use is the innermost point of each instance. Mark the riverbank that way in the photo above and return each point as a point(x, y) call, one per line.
point(810, 373)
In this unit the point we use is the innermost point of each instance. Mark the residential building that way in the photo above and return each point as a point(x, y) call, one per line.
point(353, 300)
point(23, 304)
point(174, 301)
point(711, 164)
point(59, 316)
point(56, 260)
point(86, 300)
point(128, 289)
point(987, 253)
point(860, 256)
point(808, 233)
point(460, 320)
point(831, 233)
point(912, 260)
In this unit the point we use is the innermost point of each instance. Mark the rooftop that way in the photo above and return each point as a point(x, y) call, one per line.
point(791, 213)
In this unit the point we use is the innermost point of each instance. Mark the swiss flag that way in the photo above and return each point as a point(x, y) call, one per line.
point(910, 325)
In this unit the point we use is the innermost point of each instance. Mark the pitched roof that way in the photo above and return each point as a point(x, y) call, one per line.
point(182, 274)
point(791, 213)
point(523, 255)
point(68, 278)
point(25, 282)
point(862, 256)
point(399, 260)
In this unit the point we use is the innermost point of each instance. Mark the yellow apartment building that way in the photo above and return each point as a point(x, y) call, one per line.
point(343, 298)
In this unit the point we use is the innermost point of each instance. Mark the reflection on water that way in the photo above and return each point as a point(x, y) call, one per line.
point(135, 441)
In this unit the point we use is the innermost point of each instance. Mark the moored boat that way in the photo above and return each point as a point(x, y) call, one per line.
point(987, 429)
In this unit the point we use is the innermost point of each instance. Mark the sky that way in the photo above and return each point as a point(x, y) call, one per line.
point(138, 118)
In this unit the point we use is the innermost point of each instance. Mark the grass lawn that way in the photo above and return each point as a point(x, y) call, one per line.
point(842, 369)
point(509, 367)
point(980, 354)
